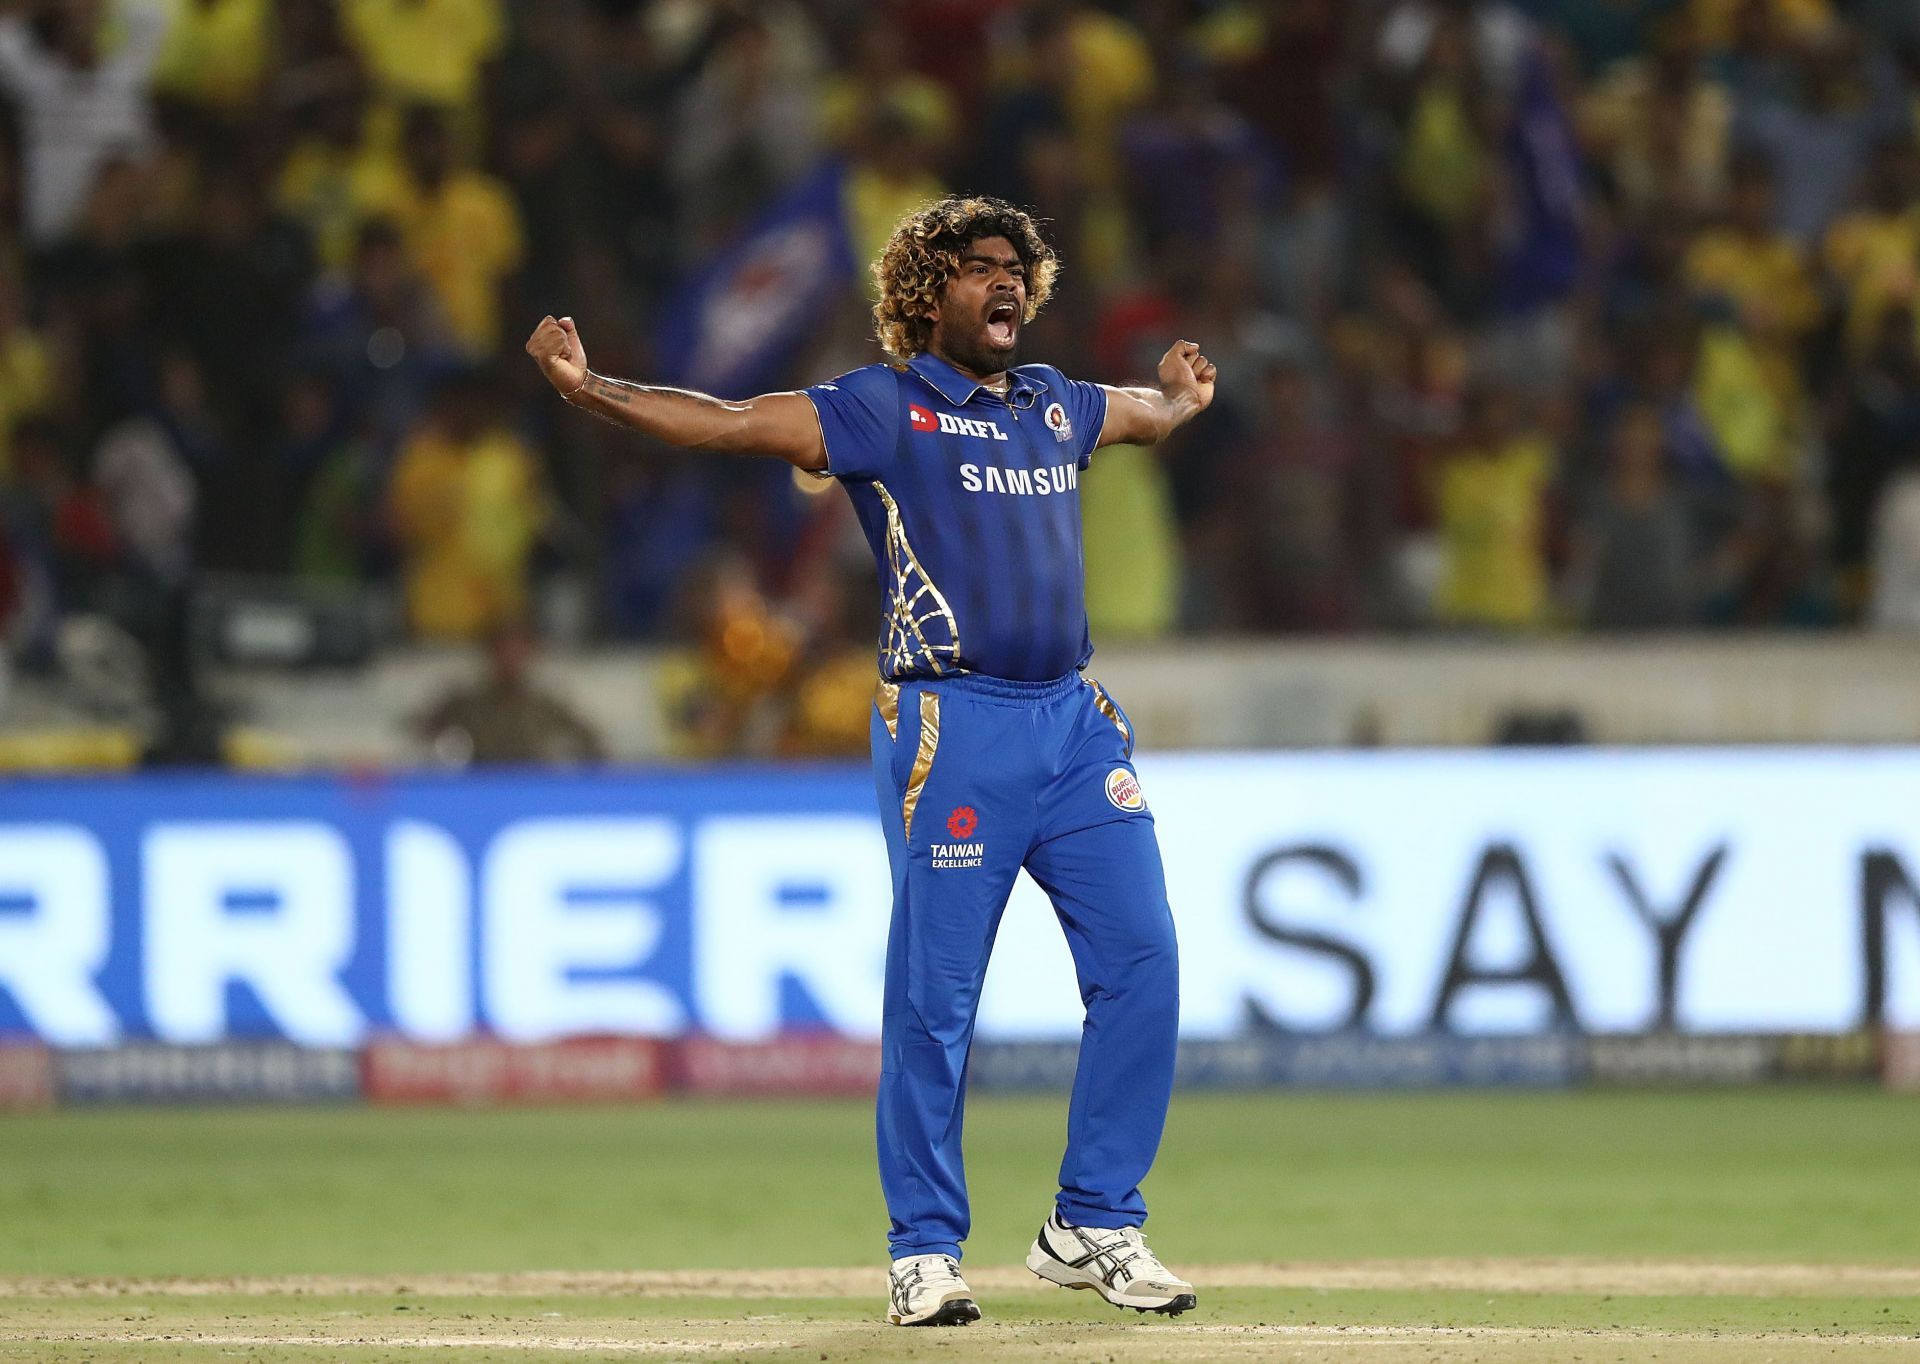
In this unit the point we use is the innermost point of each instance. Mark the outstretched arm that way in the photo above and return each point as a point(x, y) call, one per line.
point(780, 424)
point(1147, 416)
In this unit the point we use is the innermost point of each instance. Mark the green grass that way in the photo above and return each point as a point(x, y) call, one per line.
point(1802, 1174)
point(1788, 1176)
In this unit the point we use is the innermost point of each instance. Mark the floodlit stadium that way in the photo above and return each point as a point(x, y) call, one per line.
point(701, 679)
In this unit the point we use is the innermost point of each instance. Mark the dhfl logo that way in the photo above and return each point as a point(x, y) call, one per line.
point(962, 822)
point(921, 419)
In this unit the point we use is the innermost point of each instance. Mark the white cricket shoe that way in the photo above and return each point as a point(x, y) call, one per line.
point(1116, 1264)
point(927, 1290)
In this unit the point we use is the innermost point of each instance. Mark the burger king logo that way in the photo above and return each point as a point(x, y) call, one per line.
point(1123, 790)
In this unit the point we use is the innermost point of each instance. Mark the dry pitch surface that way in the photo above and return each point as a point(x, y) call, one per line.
point(1435, 1311)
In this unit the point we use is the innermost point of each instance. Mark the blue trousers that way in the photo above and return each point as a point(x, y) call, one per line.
point(977, 778)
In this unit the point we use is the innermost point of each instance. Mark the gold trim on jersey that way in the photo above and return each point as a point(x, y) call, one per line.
point(1104, 704)
point(886, 696)
point(923, 759)
point(906, 645)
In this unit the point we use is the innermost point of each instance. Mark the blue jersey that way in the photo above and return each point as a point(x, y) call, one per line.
point(971, 503)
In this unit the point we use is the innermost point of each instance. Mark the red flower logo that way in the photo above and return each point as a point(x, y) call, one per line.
point(962, 822)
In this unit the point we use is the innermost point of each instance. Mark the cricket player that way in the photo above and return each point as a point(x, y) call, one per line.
point(992, 751)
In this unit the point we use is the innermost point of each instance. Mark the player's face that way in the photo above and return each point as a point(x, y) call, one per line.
point(981, 308)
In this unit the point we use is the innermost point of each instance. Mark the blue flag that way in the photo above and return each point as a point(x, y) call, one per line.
point(731, 327)
point(1544, 241)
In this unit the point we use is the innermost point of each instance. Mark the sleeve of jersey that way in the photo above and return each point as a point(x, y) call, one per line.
point(1087, 408)
point(859, 421)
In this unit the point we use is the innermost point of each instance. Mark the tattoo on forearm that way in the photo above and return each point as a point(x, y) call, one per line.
point(660, 412)
point(610, 389)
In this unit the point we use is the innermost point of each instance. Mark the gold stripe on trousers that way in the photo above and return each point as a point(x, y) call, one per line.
point(1104, 704)
point(886, 697)
point(923, 759)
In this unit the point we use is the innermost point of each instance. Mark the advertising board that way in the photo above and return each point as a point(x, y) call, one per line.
point(1376, 894)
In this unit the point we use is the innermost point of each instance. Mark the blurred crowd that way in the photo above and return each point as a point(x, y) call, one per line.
point(1530, 314)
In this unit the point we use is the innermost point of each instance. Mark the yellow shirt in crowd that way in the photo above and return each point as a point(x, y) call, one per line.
point(1493, 535)
point(25, 385)
point(875, 202)
point(466, 517)
point(1768, 281)
point(331, 190)
point(919, 101)
point(465, 238)
point(215, 51)
point(1763, 275)
point(1112, 74)
point(1132, 545)
point(429, 51)
point(1876, 258)
point(1714, 21)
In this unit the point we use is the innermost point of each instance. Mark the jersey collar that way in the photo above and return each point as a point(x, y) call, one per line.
point(958, 388)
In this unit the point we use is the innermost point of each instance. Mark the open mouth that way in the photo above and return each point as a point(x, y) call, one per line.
point(1003, 324)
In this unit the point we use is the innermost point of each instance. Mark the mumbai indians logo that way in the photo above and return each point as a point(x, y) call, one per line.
point(1058, 423)
point(1123, 789)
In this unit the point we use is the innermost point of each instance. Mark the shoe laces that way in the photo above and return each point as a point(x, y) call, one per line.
point(929, 1269)
point(1129, 1249)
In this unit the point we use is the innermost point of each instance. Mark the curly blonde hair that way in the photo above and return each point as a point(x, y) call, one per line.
point(924, 253)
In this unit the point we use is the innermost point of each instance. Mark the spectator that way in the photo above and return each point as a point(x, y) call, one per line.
point(216, 53)
point(227, 290)
point(81, 104)
point(1752, 266)
point(1190, 164)
point(333, 180)
point(1293, 492)
point(1095, 63)
point(1758, 276)
point(1875, 431)
point(244, 300)
point(432, 52)
point(1873, 252)
point(460, 226)
point(747, 124)
point(727, 696)
point(506, 717)
point(891, 175)
point(1895, 602)
point(324, 473)
point(626, 123)
point(1818, 131)
point(1659, 127)
point(1492, 502)
point(380, 332)
point(878, 80)
point(144, 470)
point(1492, 36)
point(26, 367)
point(466, 504)
point(1631, 556)
point(61, 534)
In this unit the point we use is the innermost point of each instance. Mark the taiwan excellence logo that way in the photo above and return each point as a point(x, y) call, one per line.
point(1123, 790)
point(1058, 422)
point(965, 850)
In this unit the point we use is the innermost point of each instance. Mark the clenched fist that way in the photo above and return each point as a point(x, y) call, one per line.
point(555, 347)
point(1184, 368)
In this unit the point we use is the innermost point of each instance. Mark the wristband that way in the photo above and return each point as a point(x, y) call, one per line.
point(569, 397)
